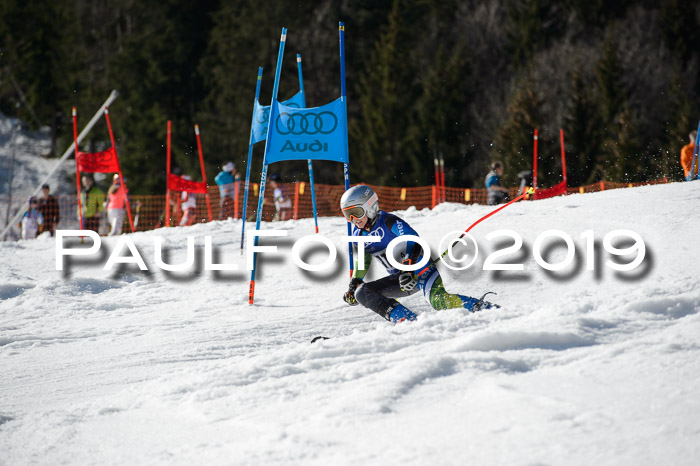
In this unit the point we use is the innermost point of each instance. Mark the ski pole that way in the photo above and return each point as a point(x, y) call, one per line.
point(435, 261)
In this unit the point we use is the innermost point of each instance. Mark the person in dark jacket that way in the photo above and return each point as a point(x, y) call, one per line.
point(48, 207)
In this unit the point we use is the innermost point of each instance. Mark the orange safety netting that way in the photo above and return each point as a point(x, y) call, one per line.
point(151, 209)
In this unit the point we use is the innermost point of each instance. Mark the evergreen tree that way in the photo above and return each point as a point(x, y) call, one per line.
point(609, 74)
point(582, 132)
point(613, 96)
point(445, 93)
point(679, 123)
point(158, 81)
point(623, 147)
point(531, 24)
point(419, 74)
point(514, 140)
point(598, 13)
point(31, 36)
point(382, 132)
point(680, 28)
point(525, 34)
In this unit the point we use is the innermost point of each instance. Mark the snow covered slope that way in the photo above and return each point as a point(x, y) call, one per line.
point(578, 367)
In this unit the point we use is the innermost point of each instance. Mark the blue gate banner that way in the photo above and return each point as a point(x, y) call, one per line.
point(262, 115)
point(318, 133)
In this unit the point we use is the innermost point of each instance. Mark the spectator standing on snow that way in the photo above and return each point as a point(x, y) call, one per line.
point(189, 206)
point(283, 203)
point(687, 153)
point(116, 205)
point(31, 220)
point(497, 193)
point(48, 208)
point(227, 180)
point(92, 200)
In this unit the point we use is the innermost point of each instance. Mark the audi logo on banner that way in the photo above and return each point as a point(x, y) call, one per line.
point(262, 116)
point(308, 123)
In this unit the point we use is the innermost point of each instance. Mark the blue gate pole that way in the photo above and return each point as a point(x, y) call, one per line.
point(695, 155)
point(250, 158)
point(263, 176)
point(311, 168)
point(343, 96)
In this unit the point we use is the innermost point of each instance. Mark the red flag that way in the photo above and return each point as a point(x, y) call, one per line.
point(556, 190)
point(178, 183)
point(98, 162)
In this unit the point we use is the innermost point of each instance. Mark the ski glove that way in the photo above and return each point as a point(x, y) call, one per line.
point(407, 281)
point(349, 296)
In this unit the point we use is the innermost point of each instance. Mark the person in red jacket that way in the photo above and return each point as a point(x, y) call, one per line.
point(116, 205)
point(687, 153)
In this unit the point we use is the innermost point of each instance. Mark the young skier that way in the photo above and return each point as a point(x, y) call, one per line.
point(31, 220)
point(360, 207)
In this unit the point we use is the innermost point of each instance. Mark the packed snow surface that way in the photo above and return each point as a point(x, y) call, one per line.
point(578, 366)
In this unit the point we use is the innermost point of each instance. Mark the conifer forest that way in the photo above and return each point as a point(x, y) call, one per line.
point(469, 80)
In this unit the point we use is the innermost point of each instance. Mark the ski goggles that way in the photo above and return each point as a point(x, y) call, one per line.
point(356, 212)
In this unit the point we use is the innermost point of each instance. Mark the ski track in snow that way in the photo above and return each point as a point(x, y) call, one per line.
point(577, 367)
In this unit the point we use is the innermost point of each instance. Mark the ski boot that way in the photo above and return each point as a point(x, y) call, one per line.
point(400, 313)
point(476, 305)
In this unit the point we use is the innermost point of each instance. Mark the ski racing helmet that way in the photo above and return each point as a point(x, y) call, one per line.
point(358, 202)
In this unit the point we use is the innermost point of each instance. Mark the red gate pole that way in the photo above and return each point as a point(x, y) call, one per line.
point(437, 178)
point(563, 156)
point(534, 171)
point(167, 182)
point(119, 168)
point(236, 187)
point(296, 200)
point(442, 179)
point(204, 174)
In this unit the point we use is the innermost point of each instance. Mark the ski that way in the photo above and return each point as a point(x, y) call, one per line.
point(478, 307)
point(480, 303)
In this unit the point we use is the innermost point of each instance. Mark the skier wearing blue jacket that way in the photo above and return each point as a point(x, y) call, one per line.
point(360, 206)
